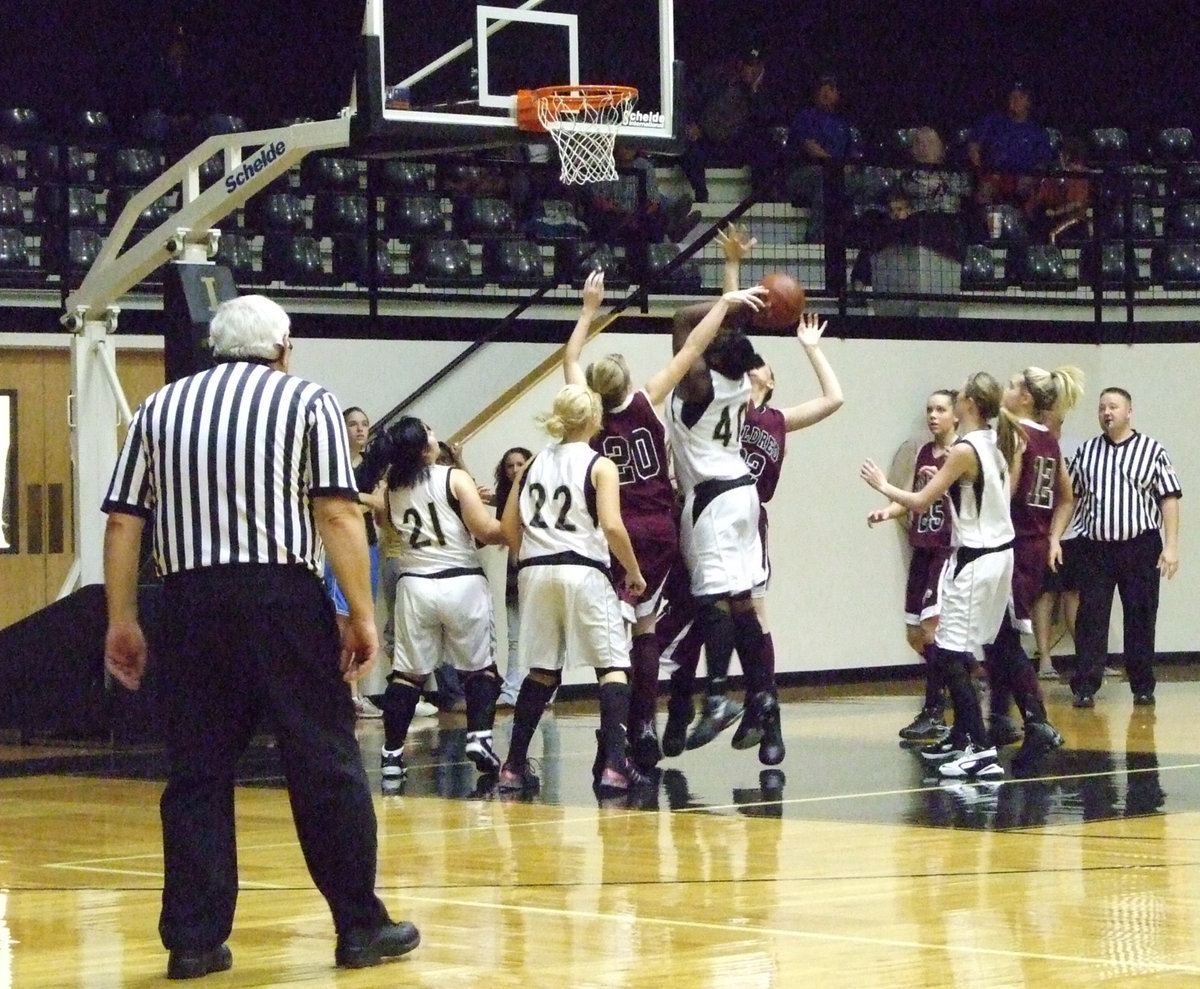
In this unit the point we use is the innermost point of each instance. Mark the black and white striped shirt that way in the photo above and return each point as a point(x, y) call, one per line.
point(224, 464)
point(1119, 487)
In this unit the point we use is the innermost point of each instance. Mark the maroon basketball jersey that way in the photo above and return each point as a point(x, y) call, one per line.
point(1033, 499)
point(931, 528)
point(634, 439)
point(764, 434)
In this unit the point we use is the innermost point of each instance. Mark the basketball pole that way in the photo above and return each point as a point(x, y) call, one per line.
point(96, 404)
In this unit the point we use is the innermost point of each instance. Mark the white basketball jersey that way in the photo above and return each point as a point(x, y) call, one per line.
point(980, 508)
point(706, 439)
point(433, 536)
point(558, 505)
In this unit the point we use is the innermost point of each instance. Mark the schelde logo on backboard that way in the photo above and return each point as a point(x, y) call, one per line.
point(640, 117)
point(248, 169)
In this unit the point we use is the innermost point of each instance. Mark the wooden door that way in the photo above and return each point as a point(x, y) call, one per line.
point(40, 532)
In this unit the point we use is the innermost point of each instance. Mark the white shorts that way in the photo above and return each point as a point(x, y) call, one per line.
point(569, 615)
point(721, 547)
point(443, 620)
point(974, 601)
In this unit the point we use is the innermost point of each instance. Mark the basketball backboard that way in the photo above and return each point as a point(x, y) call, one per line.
point(444, 76)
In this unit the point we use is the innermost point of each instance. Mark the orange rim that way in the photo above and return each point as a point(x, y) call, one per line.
point(570, 98)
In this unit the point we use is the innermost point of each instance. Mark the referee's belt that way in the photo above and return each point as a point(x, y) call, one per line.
point(704, 492)
point(969, 554)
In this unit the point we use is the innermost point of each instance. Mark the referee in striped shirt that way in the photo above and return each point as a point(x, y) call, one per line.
point(1127, 515)
point(243, 474)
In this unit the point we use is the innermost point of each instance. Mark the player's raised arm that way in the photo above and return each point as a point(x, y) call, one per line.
point(809, 332)
point(593, 295)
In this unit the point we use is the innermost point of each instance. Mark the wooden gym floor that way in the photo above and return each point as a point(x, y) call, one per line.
point(848, 868)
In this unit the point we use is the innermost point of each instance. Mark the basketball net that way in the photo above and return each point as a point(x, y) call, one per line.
point(583, 122)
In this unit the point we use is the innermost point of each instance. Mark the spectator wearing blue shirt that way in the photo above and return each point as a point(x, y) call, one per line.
point(819, 140)
point(1007, 149)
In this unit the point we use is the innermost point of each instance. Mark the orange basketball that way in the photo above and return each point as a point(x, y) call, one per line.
point(784, 302)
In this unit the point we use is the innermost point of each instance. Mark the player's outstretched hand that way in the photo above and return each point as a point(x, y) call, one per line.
point(880, 515)
point(635, 584)
point(873, 475)
point(755, 298)
point(810, 328)
point(593, 290)
point(736, 242)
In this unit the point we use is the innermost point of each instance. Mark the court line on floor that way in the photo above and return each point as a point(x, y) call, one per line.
point(742, 930)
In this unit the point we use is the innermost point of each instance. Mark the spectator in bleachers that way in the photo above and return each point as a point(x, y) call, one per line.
point(1007, 149)
point(1058, 205)
point(618, 213)
point(924, 207)
point(820, 142)
point(729, 122)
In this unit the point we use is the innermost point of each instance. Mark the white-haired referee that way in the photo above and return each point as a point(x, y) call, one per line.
point(242, 472)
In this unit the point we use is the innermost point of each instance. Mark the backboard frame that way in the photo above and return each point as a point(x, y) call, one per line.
point(380, 130)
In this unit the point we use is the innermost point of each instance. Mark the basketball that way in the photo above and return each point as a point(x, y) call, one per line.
point(784, 302)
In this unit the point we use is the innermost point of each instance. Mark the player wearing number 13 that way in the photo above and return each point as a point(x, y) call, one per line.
point(633, 437)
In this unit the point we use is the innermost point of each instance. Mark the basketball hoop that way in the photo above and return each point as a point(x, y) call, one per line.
point(583, 122)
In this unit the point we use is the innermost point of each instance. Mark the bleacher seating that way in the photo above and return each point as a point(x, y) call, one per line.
point(514, 262)
point(444, 262)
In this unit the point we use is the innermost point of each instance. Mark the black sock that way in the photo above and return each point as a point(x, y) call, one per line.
point(643, 676)
point(748, 640)
point(719, 638)
point(481, 691)
point(935, 684)
point(399, 706)
point(614, 719)
point(531, 702)
point(968, 717)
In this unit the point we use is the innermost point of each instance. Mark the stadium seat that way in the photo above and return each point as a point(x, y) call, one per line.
point(1185, 181)
point(350, 262)
point(894, 147)
point(20, 125)
point(1172, 145)
point(74, 206)
point(395, 175)
point(1104, 266)
point(482, 217)
point(1005, 225)
point(1181, 221)
point(514, 262)
point(10, 164)
point(443, 262)
point(294, 259)
point(89, 128)
point(574, 260)
point(683, 279)
point(49, 165)
point(156, 213)
point(1038, 267)
point(326, 173)
point(12, 210)
point(83, 246)
point(14, 256)
point(1176, 264)
point(336, 213)
point(1108, 146)
point(1111, 222)
point(277, 211)
point(135, 167)
point(236, 252)
point(978, 272)
point(414, 217)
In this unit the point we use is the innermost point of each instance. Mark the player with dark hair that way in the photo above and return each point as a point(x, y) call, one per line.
point(633, 437)
point(977, 580)
point(443, 602)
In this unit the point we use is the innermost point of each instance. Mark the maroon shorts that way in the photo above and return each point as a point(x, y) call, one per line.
point(655, 542)
point(1062, 579)
point(1029, 569)
point(922, 592)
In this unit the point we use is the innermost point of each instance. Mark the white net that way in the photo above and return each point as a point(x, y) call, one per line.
point(583, 124)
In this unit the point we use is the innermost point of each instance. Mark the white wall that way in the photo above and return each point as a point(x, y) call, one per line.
point(837, 590)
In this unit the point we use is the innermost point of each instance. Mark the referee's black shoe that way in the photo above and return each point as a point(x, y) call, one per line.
point(362, 948)
point(183, 963)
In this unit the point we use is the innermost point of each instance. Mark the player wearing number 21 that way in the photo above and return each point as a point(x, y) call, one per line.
point(633, 437)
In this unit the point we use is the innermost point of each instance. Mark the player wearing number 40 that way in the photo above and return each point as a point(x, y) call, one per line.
point(634, 438)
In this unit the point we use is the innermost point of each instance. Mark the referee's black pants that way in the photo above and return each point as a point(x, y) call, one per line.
point(1129, 566)
point(241, 641)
